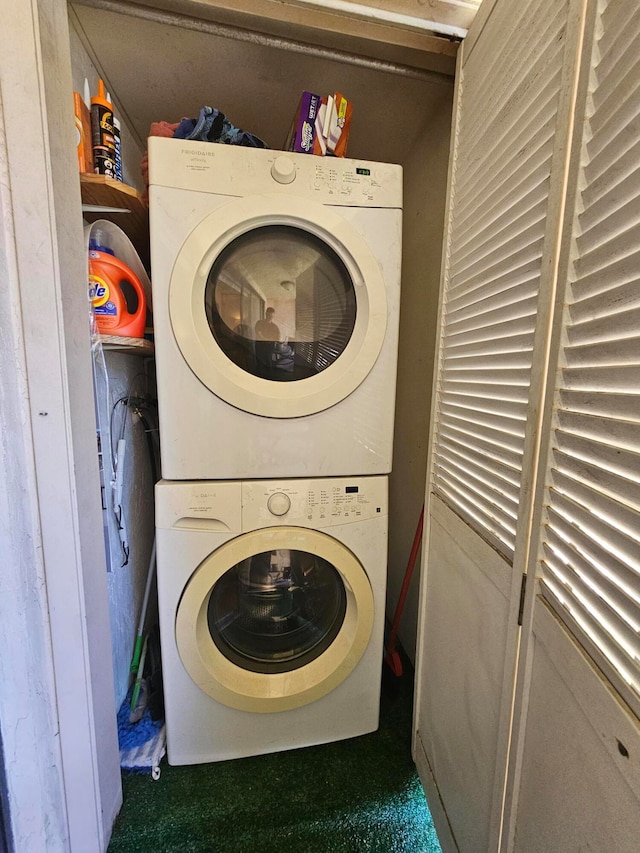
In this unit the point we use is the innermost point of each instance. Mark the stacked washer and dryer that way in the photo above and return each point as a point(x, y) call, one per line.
point(276, 290)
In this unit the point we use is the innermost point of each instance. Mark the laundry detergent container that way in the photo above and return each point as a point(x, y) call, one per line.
point(117, 296)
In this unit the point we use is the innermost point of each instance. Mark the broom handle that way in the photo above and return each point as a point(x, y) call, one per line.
point(137, 651)
point(417, 539)
point(138, 684)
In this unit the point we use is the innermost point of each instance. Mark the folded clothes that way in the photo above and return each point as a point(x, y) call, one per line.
point(213, 126)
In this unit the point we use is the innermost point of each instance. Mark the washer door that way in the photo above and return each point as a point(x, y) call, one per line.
point(278, 305)
point(274, 619)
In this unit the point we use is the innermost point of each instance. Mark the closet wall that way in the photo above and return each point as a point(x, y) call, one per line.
point(117, 374)
point(159, 66)
point(425, 170)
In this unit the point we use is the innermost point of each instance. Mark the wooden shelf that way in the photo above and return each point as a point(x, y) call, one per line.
point(101, 191)
point(130, 346)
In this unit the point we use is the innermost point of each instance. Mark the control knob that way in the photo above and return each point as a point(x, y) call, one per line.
point(279, 503)
point(283, 170)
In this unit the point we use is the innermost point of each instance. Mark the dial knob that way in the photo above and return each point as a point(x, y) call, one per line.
point(279, 503)
point(283, 170)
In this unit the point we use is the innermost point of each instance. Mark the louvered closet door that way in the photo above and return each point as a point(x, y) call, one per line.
point(591, 560)
point(582, 736)
point(507, 138)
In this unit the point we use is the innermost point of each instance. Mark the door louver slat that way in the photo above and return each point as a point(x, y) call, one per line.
point(527, 175)
point(493, 405)
point(624, 164)
point(494, 452)
point(601, 504)
point(600, 404)
point(531, 208)
point(522, 69)
point(594, 628)
point(616, 18)
point(490, 65)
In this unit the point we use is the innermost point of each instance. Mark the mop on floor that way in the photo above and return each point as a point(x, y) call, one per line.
point(141, 738)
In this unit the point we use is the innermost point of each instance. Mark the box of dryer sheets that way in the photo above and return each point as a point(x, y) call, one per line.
point(321, 125)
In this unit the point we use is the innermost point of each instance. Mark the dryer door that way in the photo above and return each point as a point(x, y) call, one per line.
point(274, 619)
point(278, 305)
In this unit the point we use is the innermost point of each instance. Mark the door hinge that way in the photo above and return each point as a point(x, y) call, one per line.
point(523, 590)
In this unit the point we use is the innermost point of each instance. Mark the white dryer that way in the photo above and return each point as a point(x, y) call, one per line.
point(276, 285)
point(271, 599)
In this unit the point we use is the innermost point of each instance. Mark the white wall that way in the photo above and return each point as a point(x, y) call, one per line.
point(57, 716)
point(28, 715)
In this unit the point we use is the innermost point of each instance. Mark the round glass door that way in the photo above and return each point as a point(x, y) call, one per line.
point(280, 303)
point(274, 619)
point(277, 611)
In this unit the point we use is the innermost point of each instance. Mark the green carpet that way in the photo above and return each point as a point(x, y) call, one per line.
point(353, 796)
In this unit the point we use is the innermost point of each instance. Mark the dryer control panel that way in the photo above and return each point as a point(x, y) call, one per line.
point(316, 503)
point(230, 170)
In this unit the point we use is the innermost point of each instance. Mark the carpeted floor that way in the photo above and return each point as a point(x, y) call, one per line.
point(354, 796)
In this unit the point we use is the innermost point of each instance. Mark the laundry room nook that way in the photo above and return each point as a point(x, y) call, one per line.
point(321, 512)
point(371, 418)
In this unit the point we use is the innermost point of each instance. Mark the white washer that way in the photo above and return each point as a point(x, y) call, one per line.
point(310, 389)
point(271, 599)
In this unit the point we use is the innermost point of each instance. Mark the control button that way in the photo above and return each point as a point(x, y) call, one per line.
point(283, 170)
point(279, 504)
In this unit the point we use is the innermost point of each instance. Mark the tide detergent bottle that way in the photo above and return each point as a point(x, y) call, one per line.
point(117, 296)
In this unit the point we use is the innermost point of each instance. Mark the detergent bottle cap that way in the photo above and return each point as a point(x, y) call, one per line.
point(94, 246)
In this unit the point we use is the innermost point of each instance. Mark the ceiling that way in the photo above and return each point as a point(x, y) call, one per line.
point(163, 65)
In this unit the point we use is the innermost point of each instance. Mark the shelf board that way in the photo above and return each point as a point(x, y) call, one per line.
point(100, 191)
point(129, 346)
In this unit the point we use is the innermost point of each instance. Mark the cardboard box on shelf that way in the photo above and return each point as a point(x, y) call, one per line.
point(338, 124)
point(302, 133)
point(321, 125)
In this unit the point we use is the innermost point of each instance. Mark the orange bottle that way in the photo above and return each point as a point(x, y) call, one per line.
point(102, 134)
point(117, 297)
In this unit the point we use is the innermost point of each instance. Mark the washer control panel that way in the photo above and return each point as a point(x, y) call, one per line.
point(314, 503)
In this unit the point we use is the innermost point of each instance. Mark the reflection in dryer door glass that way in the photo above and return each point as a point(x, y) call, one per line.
point(277, 611)
point(280, 303)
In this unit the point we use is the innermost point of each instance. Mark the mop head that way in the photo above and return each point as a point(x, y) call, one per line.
point(142, 744)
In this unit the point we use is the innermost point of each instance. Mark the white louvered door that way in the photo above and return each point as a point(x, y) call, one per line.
point(528, 698)
point(506, 173)
point(577, 772)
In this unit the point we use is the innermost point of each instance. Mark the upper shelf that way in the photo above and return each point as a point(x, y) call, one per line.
point(103, 192)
